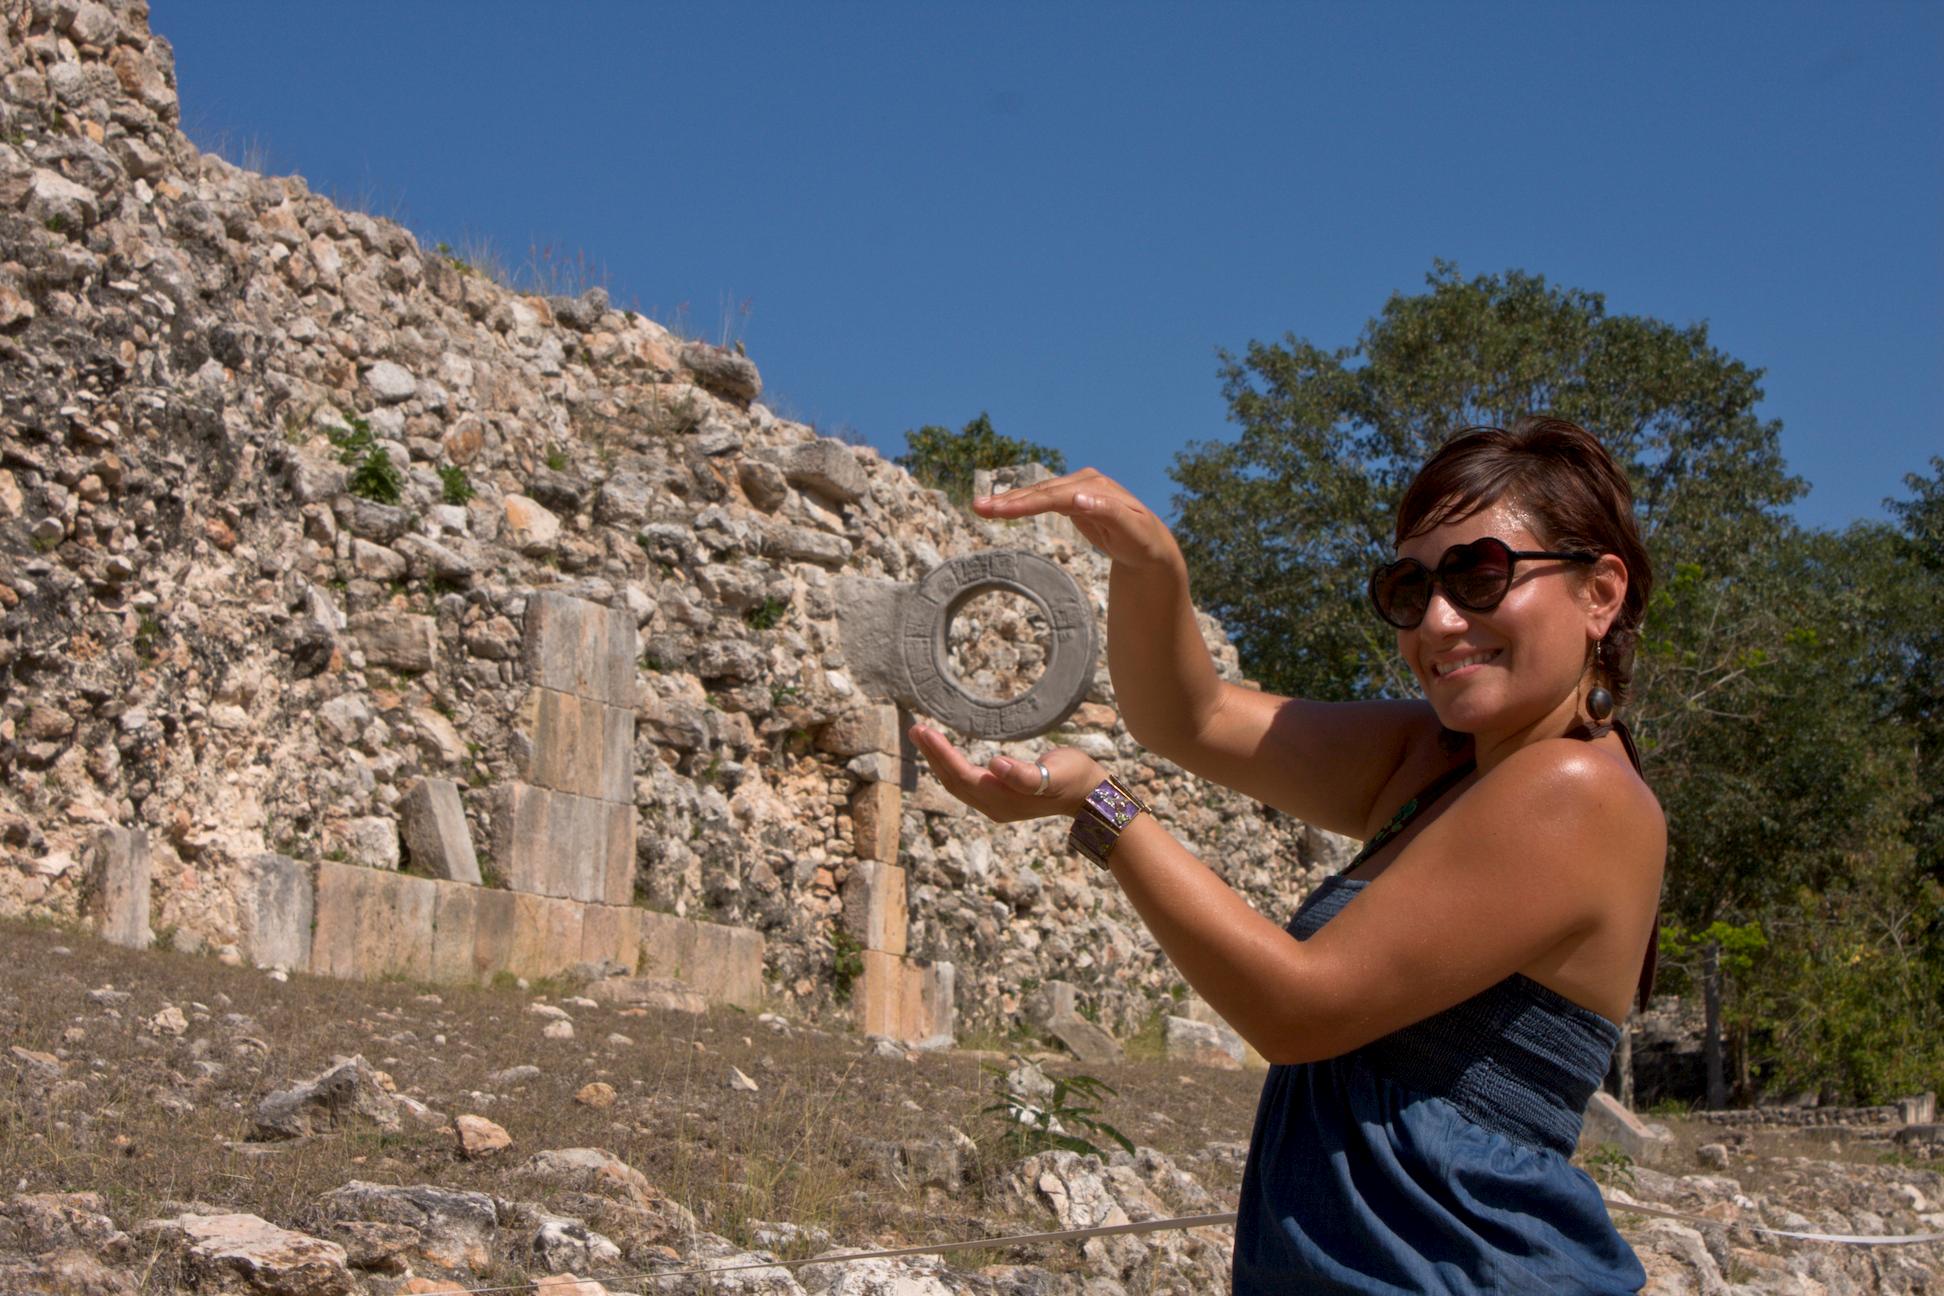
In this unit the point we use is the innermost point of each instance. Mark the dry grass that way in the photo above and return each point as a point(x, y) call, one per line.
point(152, 1121)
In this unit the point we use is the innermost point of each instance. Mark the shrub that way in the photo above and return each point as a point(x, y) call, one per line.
point(453, 486)
point(1032, 1127)
point(377, 478)
point(766, 614)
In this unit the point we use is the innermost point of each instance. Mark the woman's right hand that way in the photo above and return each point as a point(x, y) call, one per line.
point(1101, 509)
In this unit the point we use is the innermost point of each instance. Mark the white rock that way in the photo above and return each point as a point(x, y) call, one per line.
point(391, 382)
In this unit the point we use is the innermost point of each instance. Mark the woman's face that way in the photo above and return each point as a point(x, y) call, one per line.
point(1518, 666)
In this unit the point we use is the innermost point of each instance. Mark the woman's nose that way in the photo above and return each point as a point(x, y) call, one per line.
point(1441, 615)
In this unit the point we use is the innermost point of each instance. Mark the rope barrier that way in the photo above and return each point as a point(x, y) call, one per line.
point(1181, 1222)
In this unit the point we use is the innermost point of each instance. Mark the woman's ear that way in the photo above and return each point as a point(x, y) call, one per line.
point(1605, 591)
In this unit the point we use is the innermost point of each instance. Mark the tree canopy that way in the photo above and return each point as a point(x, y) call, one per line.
point(1786, 680)
point(945, 460)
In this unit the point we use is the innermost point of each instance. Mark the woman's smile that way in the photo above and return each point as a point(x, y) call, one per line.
point(1468, 664)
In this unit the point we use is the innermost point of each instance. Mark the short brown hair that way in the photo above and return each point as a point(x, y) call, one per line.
point(1577, 496)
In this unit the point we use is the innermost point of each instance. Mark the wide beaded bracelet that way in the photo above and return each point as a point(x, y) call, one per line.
point(1097, 825)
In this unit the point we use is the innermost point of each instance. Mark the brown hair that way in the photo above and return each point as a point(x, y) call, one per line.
point(1577, 496)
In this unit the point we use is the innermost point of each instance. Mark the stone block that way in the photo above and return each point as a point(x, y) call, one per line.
point(372, 924)
point(433, 823)
point(877, 811)
point(556, 843)
point(872, 727)
point(369, 841)
point(579, 647)
point(546, 936)
point(1197, 1009)
point(401, 641)
point(492, 932)
point(723, 964)
point(610, 934)
point(455, 934)
point(1187, 1040)
point(1607, 1120)
point(905, 999)
point(824, 466)
point(619, 877)
point(648, 992)
point(274, 904)
point(119, 887)
point(874, 914)
point(1055, 1008)
point(578, 745)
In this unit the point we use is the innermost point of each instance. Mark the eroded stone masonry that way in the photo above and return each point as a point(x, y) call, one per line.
point(360, 615)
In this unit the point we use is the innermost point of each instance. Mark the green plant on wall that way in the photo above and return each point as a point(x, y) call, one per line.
point(454, 488)
point(846, 963)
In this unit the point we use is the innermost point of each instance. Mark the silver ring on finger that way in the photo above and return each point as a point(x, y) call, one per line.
point(1046, 778)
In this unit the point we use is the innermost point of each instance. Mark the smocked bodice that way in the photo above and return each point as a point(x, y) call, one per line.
point(1517, 1057)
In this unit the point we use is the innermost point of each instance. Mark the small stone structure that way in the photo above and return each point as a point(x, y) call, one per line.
point(568, 829)
point(565, 846)
point(897, 638)
point(896, 995)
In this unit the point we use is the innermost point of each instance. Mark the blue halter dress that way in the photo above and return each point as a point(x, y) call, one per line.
point(1433, 1160)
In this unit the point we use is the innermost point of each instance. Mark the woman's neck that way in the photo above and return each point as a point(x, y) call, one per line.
point(1490, 749)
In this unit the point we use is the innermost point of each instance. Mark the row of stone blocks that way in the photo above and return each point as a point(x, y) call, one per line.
point(365, 924)
point(372, 924)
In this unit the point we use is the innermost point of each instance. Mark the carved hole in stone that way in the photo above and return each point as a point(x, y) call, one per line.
point(996, 645)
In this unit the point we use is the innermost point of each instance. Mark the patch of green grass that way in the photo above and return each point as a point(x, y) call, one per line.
point(353, 438)
point(766, 614)
point(556, 458)
point(454, 488)
point(147, 631)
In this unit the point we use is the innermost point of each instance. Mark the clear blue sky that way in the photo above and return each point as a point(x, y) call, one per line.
point(1059, 212)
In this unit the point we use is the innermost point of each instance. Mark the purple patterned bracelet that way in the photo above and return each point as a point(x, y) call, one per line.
point(1097, 825)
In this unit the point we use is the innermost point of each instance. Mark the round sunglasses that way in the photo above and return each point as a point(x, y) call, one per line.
point(1473, 576)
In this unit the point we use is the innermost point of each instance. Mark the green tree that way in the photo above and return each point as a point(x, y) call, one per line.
point(1764, 681)
point(1330, 437)
point(1793, 899)
point(945, 460)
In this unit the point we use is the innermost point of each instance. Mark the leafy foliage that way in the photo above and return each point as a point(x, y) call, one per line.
point(1035, 1127)
point(1331, 437)
point(377, 478)
point(1786, 681)
point(454, 487)
point(945, 460)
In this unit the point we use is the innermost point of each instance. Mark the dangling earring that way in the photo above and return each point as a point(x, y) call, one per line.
point(1599, 702)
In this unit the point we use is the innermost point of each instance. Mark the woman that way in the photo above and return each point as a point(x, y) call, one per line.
point(1438, 1014)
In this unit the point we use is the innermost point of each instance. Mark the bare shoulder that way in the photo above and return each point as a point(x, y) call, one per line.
point(1583, 793)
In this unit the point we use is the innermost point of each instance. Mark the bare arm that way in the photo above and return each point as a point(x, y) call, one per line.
point(1486, 890)
point(1327, 763)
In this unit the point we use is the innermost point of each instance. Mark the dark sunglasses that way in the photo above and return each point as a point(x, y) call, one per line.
point(1473, 576)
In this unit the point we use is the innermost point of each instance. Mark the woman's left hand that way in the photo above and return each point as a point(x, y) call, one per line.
point(1006, 789)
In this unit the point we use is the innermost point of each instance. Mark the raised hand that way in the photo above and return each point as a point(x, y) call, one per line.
point(1102, 510)
point(1006, 790)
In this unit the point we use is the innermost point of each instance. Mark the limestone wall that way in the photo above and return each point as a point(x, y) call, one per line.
point(208, 636)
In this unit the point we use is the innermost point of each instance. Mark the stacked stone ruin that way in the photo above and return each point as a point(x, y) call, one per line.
point(238, 695)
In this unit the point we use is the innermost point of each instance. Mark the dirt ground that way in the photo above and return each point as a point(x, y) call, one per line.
point(151, 1118)
point(104, 1089)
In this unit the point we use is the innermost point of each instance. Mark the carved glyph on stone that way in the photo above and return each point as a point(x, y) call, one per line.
point(897, 638)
